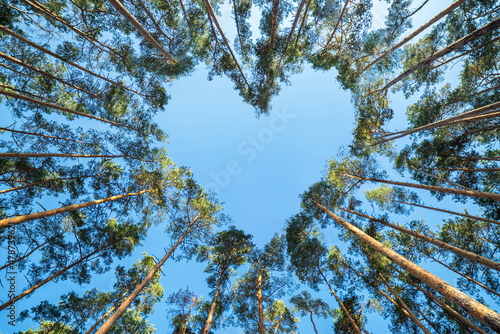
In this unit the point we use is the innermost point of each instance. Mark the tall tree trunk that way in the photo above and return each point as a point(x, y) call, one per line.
point(47, 51)
point(49, 75)
point(4, 223)
point(463, 275)
point(130, 298)
point(417, 32)
point(446, 307)
point(412, 315)
point(455, 250)
point(312, 321)
point(489, 27)
point(351, 320)
point(259, 301)
point(147, 36)
point(211, 313)
point(58, 107)
point(332, 35)
point(477, 310)
point(463, 117)
point(48, 279)
point(221, 32)
point(469, 193)
point(39, 134)
point(450, 212)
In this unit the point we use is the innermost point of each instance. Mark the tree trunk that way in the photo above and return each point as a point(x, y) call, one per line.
point(58, 155)
point(312, 321)
point(47, 51)
point(45, 281)
point(355, 327)
point(39, 134)
point(221, 32)
point(436, 18)
point(4, 223)
point(455, 250)
point(477, 310)
point(332, 35)
point(489, 27)
point(463, 275)
point(48, 75)
point(463, 117)
point(259, 302)
point(446, 307)
point(210, 317)
point(55, 106)
point(147, 36)
point(450, 212)
point(469, 193)
point(130, 298)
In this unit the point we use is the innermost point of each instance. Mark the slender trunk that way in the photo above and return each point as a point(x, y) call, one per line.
point(221, 32)
point(429, 322)
point(48, 75)
point(412, 315)
point(489, 27)
point(446, 307)
point(292, 29)
point(259, 301)
point(44, 214)
point(39, 134)
point(463, 275)
point(107, 313)
point(45, 281)
point(147, 36)
point(436, 18)
point(470, 170)
point(450, 212)
point(30, 252)
point(353, 323)
point(477, 310)
point(46, 181)
point(448, 121)
point(337, 24)
point(437, 177)
point(55, 106)
point(312, 321)
point(274, 27)
point(130, 298)
point(455, 250)
point(47, 51)
point(58, 155)
point(211, 313)
point(469, 193)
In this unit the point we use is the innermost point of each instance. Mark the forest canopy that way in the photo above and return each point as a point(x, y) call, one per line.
point(86, 177)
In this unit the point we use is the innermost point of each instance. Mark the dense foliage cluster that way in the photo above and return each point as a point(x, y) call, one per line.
point(82, 81)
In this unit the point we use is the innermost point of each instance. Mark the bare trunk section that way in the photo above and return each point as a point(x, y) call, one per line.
point(211, 313)
point(441, 244)
point(55, 106)
point(477, 310)
point(45, 281)
point(4, 223)
point(469, 193)
point(493, 25)
point(147, 36)
point(417, 32)
point(353, 323)
point(259, 301)
point(130, 298)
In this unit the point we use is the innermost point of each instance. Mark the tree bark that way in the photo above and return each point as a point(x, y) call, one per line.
point(45, 281)
point(469, 193)
point(436, 18)
point(259, 302)
point(130, 298)
point(211, 313)
point(312, 321)
point(147, 36)
point(491, 26)
point(477, 310)
point(353, 323)
point(55, 106)
point(455, 250)
point(4, 223)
